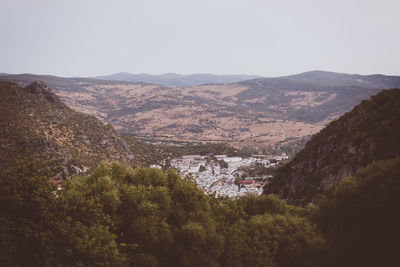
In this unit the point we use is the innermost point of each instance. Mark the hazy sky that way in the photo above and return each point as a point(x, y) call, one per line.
point(271, 38)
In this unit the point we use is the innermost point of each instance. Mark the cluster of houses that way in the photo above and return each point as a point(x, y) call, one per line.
point(222, 175)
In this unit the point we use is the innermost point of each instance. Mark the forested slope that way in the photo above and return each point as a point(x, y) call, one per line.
point(35, 121)
point(367, 133)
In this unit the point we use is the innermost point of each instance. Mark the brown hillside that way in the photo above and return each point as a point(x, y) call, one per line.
point(34, 121)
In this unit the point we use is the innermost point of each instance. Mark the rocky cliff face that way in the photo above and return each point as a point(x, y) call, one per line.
point(369, 132)
point(34, 121)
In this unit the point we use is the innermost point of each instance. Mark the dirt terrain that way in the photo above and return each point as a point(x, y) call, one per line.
point(194, 114)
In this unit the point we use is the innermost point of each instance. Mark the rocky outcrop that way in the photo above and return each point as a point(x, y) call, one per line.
point(41, 89)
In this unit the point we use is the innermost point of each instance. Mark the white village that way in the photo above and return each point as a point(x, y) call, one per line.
point(222, 175)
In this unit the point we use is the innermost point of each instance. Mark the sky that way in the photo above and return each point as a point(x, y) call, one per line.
point(271, 38)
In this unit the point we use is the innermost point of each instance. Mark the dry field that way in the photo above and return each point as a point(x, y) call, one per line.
point(207, 113)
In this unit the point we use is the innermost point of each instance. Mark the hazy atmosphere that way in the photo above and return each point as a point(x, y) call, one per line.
point(270, 38)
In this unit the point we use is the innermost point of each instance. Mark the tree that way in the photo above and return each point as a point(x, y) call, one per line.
point(88, 208)
point(27, 215)
point(359, 216)
point(116, 216)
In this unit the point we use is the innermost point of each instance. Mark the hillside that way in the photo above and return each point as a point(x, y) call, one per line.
point(314, 96)
point(173, 79)
point(344, 79)
point(369, 132)
point(35, 123)
point(265, 113)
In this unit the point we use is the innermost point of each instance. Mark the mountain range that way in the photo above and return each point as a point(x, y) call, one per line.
point(174, 79)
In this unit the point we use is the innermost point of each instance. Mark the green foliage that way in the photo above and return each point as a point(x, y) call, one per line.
point(91, 199)
point(265, 231)
point(288, 240)
point(26, 215)
point(37, 221)
point(84, 245)
point(258, 205)
point(116, 216)
point(147, 177)
point(359, 216)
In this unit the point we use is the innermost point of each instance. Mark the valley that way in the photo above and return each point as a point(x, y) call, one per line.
point(199, 133)
point(262, 114)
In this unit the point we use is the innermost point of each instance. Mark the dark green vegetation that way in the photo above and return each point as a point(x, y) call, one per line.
point(360, 217)
point(118, 217)
point(369, 132)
